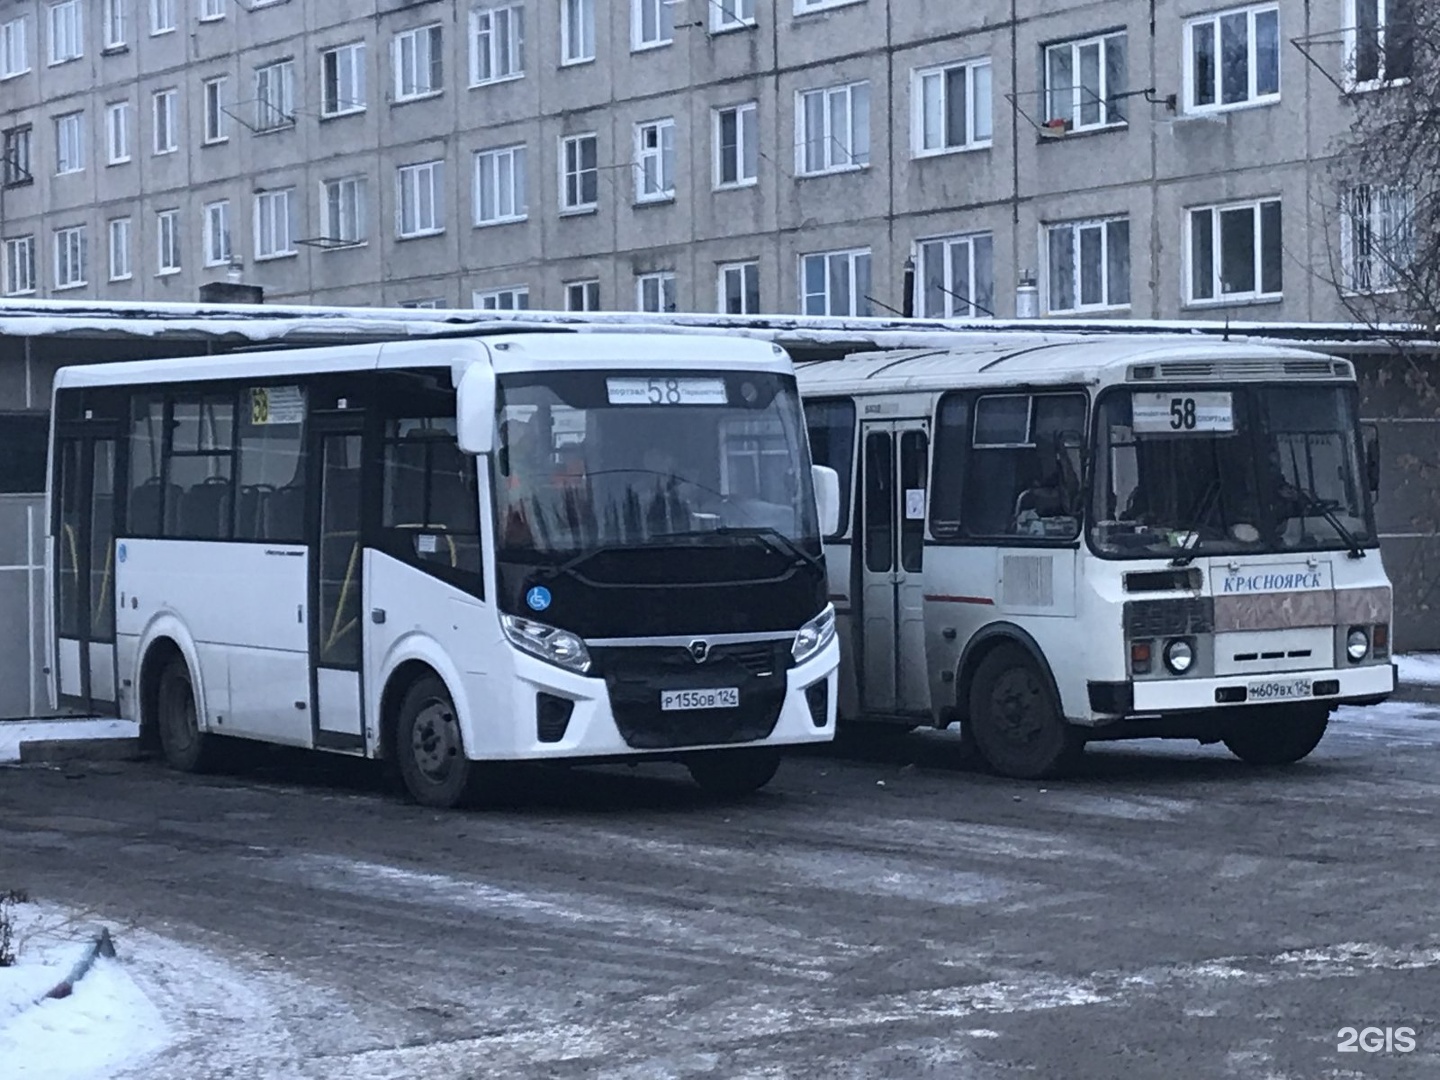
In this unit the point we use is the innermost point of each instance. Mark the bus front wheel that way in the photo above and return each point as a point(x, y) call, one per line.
point(1014, 718)
point(429, 752)
point(728, 774)
point(1278, 735)
point(185, 746)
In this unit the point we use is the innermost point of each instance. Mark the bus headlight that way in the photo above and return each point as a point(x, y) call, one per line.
point(1179, 655)
point(814, 635)
point(555, 646)
point(1357, 644)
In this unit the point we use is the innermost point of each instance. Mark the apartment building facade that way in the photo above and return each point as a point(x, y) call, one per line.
point(1142, 158)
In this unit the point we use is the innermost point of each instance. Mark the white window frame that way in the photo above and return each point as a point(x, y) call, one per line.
point(979, 108)
point(1219, 297)
point(345, 100)
point(345, 201)
point(415, 177)
point(585, 289)
point(74, 122)
point(500, 166)
point(497, 55)
point(212, 10)
point(278, 240)
point(16, 247)
point(957, 305)
point(112, 24)
point(655, 161)
point(218, 250)
point(804, 7)
point(1351, 33)
point(66, 21)
point(1211, 24)
point(663, 282)
point(117, 132)
point(507, 298)
point(162, 17)
point(664, 15)
point(744, 269)
point(117, 231)
point(747, 129)
point(727, 15)
point(580, 206)
point(1373, 256)
point(216, 122)
point(14, 47)
point(835, 157)
point(71, 253)
point(164, 117)
point(167, 243)
point(581, 13)
point(1102, 226)
point(275, 95)
point(1111, 111)
point(856, 299)
point(433, 64)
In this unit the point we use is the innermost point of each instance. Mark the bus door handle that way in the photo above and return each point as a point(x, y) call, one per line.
point(377, 616)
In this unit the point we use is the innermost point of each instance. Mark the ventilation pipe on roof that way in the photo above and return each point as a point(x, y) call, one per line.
point(1027, 297)
point(908, 303)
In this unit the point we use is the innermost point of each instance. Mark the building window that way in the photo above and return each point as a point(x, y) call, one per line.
point(419, 63)
point(1377, 237)
point(70, 143)
point(1234, 251)
point(162, 16)
point(67, 38)
point(420, 209)
point(582, 295)
point(1089, 264)
point(655, 161)
point(731, 15)
point(164, 102)
point(516, 298)
point(1379, 41)
point(342, 73)
point(344, 210)
point(14, 48)
point(19, 265)
point(71, 251)
point(119, 229)
point(497, 44)
point(740, 288)
point(167, 239)
point(804, 6)
point(835, 283)
point(500, 186)
point(1085, 83)
point(217, 233)
point(217, 122)
point(652, 23)
point(211, 9)
point(579, 173)
point(274, 224)
point(737, 145)
point(1233, 59)
point(275, 95)
point(577, 31)
point(112, 18)
point(834, 129)
point(15, 156)
point(655, 292)
point(957, 277)
point(952, 108)
point(117, 132)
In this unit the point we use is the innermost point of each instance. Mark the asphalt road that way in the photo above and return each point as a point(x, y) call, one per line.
point(1170, 913)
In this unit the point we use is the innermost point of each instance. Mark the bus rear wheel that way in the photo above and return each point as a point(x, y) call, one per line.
point(729, 774)
point(1015, 720)
point(184, 745)
point(429, 752)
point(1278, 734)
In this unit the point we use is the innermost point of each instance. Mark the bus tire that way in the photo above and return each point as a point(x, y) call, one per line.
point(184, 745)
point(1015, 720)
point(729, 774)
point(1278, 735)
point(429, 752)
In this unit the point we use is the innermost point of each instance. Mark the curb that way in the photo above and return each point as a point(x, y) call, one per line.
point(38, 751)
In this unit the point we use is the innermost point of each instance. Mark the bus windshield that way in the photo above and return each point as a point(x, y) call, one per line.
point(592, 460)
point(1245, 470)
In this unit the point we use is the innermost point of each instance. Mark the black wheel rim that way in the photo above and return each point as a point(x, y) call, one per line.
point(1018, 712)
point(435, 741)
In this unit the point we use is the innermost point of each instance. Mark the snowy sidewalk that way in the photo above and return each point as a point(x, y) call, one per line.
point(1419, 677)
point(14, 732)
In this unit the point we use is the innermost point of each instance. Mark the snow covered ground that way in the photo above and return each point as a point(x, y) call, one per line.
point(1423, 668)
point(105, 1025)
point(13, 733)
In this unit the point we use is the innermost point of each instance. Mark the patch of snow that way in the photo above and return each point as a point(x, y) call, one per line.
point(13, 733)
point(1422, 668)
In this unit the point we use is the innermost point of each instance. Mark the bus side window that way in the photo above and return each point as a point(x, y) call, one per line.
point(147, 442)
point(1016, 474)
point(431, 507)
point(831, 426)
point(952, 446)
point(271, 469)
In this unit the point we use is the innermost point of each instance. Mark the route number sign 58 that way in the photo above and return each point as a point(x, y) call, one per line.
point(1183, 413)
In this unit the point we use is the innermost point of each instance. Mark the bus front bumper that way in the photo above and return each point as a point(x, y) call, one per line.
point(1364, 685)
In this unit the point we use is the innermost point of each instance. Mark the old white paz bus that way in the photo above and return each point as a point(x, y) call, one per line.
point(569, 546)
point(1055, 541)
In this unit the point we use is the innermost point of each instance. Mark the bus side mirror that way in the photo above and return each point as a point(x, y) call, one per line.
point(1371, 433)
point(475, 409)
point(827, 498)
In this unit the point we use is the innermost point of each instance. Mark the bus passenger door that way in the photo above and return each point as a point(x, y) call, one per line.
point(85, 567)
point(336, 579)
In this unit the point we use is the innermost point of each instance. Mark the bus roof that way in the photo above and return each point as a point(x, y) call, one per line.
point(1065, 358)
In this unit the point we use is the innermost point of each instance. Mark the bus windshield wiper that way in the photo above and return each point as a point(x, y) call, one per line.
point(767, 534)
point(1313, 504)
point(1187, 555)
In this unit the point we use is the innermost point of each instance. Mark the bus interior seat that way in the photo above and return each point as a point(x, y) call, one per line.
point(204, 510)
point(145, 506)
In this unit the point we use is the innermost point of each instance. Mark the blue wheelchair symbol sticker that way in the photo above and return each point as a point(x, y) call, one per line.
point(538, 598)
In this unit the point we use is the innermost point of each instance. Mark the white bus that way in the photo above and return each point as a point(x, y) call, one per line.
point(448, 554)
point(1054, 540)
